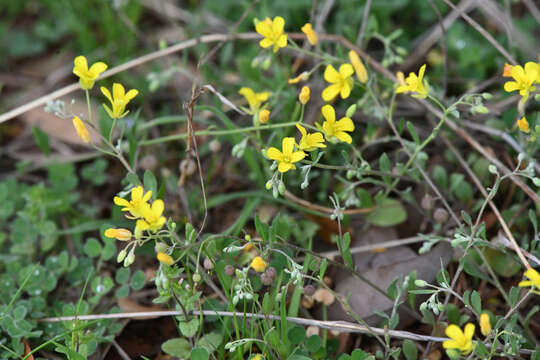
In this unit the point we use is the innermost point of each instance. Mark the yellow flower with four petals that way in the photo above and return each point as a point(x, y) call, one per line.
point(310, 142)
point(255, 100)
point(341, 82)
point(524, 78)
point(139, 201)
point(460, 340)
point(152, 217)
point(414, 83)
point(87, 76)
point(287, 157)
point(272, 30)
point(119, 100)
point(333, 130)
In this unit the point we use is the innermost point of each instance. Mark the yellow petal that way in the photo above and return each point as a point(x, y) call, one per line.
point(98, 68)
point(346, 70)
point(274, 154)
point(80, 64)
point(533, 275)
point(469, 330)
point(266, 43)
point(131, 94)
point(277, 25)
point(264, 28)
point(120, 202)
point(118, 91)
point(110, 233)
point(157, 207)
point(107, 93)
point(517, 72)
point(329, 113)
point(301, 129)
point(450, 344)
point(304, 95)
point(331, 75)
point(331, 92)
point(510, 86)
point(454, 332)
point(109, 111)
point(284, 167)
point(421, 72)
point(287, 146)
point(345, 124)
point(282, 41)
point(485, 325)
point(346, 90)
point(525, 283)
point(297, 156)
point(165, 259)
point(343, 136)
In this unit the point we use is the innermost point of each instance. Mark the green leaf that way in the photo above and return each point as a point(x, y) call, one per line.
point(19, 312)
point(178, 347)
point(122, 292)
point(388, 212)
point(360, 355)
point(150, 183)
point(262, 229)
point(476, 302)
point(440, 176)
point(409, 350)
point(297, 335)
point(138, 280)
point(503, 264)
point(191, 234)
point(413, 132)
point(199, 354)
point(346, 253)
point(210, 341)
point(322, 269)
point(42, 140)
point(313, 343)
point(92, 247)
point(189, 328)
point(122, 275)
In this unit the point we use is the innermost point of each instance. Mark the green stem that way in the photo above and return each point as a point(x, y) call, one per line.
point(216, 133)
point(89, 107)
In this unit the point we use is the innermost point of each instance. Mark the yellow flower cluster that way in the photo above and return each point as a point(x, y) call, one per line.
point(149, 216)
point(87, 78)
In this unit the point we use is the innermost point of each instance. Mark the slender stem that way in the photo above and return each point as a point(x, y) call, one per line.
point(89, 107)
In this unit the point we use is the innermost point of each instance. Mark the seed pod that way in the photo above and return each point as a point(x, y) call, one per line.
point(440, 215)
point(271, 271)
point(266, 279)
point(188, 167)
point(208, 264)
point(214, 146)
point(229, 270)
point(427, 202)
point(196, 277)
point(309, 290)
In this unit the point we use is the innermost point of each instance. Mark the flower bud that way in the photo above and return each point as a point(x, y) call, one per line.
point(121, 256)
point(196, 277)
point(258, 264)
point(161, 247)
point(263, 116)
point(268, 185)
point(304, 95)
point(281, 188)
point(119, 234)
point(81, 129)
point(485, 324)
point(309, 290)
point(420, 283)
point(165, 258)
point(129, 259)
point(350, 111)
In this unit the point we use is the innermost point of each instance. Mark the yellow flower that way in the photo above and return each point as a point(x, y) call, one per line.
point(87, 76)
point(336, 130)
point(523, 125)
point(524, 79)
point(310, 142)
point(288, 157)
point(534, 277)
point(254, 99)
point(119, 234)
point(304, 95)
point(485, 325)
point(139, 201)
point(257, 357)
point(341, 82)
point(310, 33)
point(258, 264)
point(263, 116)
point(302, 77)
point(272, 30)
point(165, 259)
point(461, 340)
point(358, 66)
point(152, 219)
point(119, 100)
point(415, 84)
point(81, 129)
